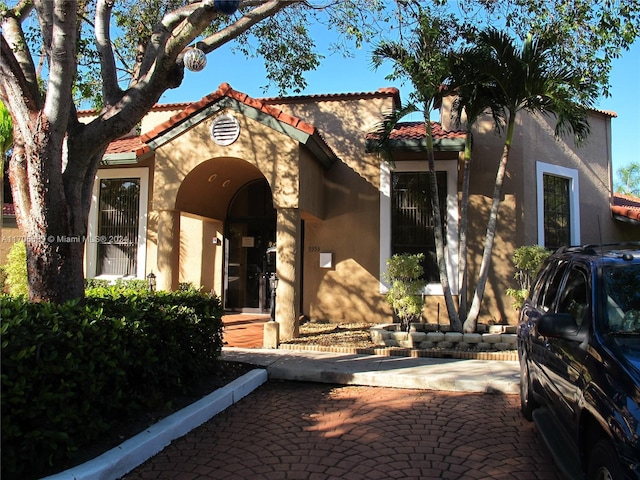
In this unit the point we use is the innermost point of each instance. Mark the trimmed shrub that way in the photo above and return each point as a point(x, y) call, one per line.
point(404, 273)
point(71, 371)
point(527, 260)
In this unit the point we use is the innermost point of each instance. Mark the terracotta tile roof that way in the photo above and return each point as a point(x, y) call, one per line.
point(608, 113)
point(127, 145)
point(225, 90)
point(417, 131)
point(626, 206)
point(381, 92)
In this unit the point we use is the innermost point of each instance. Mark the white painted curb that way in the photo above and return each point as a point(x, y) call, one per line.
point(128, 455)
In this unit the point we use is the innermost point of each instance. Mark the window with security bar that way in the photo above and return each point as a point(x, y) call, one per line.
point(118, 222)
point(412, 225)
point(557, 211)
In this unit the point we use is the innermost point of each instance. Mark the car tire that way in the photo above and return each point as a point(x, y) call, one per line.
point(603, 462)
point(527, 402)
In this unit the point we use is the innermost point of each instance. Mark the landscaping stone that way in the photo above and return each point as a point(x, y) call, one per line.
point(510, 338)
point(472, 337)
point(491, 337)
point(417, 338)
point(379, 336)
point(400, 336)
point(496, 328)
point(502, 346)
point(454, 337)
point(483, 346)
point(428, 345)
point(435, 336)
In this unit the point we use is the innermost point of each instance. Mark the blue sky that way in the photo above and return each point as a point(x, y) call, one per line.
point(341, 75)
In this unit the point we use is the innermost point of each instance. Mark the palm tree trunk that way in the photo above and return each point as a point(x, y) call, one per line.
point(454, 320)
point(472, 318)
point(464, 220)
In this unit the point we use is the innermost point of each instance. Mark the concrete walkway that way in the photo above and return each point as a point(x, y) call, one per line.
point(489, 376)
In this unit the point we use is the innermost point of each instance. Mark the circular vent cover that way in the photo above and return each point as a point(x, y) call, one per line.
point(225, 130)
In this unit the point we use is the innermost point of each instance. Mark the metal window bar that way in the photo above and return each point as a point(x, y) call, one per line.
point(557, 213)
point(412, 225)
point(118, 222)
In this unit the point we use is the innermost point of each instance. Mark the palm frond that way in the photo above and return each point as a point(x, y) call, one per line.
point(380, 134)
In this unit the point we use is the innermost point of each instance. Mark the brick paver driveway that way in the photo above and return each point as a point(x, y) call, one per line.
point(288, 430)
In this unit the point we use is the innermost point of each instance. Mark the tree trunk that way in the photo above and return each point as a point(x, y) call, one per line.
point(472, 319)
point(52, 211)
point(464, 221)
point(454, 320)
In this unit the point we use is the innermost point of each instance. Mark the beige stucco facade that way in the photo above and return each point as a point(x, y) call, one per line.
point(327, 207)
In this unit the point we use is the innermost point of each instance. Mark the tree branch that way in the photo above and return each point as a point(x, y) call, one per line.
point(62, 63)
point(242, 25)
point(15, 45)
point(110, 88)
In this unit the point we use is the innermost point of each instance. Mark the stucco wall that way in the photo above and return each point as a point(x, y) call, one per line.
point(349, 291)
point(533, 142)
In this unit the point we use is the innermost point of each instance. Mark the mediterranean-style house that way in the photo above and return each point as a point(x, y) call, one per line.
point(225, 191)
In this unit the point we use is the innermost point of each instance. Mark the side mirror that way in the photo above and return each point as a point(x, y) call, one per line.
point(560, 325)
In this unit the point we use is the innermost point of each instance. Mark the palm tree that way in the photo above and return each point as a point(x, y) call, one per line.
point(524, 79)
point(473, 99)
point(629, 179)
point(424, 62)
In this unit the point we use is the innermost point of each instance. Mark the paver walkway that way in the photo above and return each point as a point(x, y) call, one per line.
point(244, 330)
point(293, 430)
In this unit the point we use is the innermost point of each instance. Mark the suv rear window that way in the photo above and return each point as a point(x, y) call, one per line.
point(622, 298)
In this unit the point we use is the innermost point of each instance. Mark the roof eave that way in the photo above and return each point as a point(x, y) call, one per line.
point(126, 158)
point(415, 145)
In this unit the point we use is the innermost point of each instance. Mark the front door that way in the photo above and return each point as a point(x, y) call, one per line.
point(250, 230)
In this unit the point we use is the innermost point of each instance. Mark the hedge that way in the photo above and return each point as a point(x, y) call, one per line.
point(69, 372)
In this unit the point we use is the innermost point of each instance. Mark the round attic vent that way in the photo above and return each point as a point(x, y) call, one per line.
point(225, 130)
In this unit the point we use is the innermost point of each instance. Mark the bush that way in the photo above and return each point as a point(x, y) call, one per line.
point(16, 270)
point(527, 260)
point(70, 371)
point(404, 272)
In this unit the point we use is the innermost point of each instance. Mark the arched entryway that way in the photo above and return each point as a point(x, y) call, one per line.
point(249, 233)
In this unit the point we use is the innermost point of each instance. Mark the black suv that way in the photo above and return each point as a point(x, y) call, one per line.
point(579, 350)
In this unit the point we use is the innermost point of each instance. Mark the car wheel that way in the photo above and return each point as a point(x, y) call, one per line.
point(527, 403)
point(603, 462)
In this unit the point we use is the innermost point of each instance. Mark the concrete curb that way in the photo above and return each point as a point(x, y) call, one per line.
point(133, 452)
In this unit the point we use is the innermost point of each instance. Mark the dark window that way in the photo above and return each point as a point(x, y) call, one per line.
point(557, 214)
point(574, 298)
point(118, 218)
point(412, 225)
point(622, 297)
point(552, 287)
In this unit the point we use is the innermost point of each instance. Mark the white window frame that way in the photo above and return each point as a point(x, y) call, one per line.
point(91, 246)
point(451, 247)
point(574, 198)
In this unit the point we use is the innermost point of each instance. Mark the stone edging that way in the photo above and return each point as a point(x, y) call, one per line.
point(133, 452)
point(511, 355)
